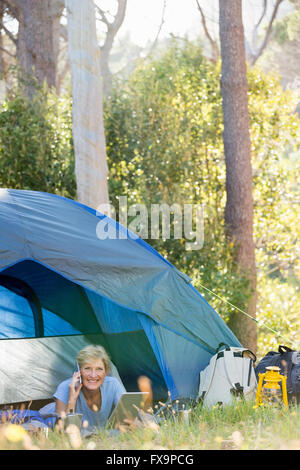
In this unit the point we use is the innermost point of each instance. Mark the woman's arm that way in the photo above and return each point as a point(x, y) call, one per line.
point(60, 407)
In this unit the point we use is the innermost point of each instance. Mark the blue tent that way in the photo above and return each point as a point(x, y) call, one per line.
point(62, 287)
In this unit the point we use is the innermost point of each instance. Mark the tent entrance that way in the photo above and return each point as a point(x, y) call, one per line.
point(45, 319)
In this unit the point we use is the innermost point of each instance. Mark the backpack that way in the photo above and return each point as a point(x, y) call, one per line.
point(289, 362)
point(229, 375)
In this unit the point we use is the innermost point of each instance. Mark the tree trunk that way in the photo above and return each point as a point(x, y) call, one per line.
point(37, 38)
point(237, 147)
point(88, 127)
point(2, 62)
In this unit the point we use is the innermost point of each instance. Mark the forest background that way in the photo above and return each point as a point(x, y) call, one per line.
point(163, 124)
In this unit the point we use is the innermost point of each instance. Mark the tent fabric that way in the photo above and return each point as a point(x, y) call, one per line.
point(16, 318)
point(56, 294)
point(150, 316)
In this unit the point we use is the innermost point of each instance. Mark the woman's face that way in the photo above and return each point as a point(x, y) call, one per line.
point(92, 374)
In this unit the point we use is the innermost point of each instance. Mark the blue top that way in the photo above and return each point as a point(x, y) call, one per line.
point(111, 392)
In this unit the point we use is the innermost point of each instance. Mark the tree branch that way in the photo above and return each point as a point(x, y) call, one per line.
point(102, 14)
point(7, 52)
point(268, 32)
point(264, 10)
point(9, 34)
point(249, 49)
point(112, 29)
point(213, 43)
point(119, 17)
point(159, 29)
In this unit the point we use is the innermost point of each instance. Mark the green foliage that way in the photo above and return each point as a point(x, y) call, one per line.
point(36, 149)
point(275, 138)
point(275, 152)
point(288, 28)
point(164, 143)
point(278, 308)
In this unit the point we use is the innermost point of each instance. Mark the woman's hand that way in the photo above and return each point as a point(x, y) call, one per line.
point(75, 385)
point(74, 389)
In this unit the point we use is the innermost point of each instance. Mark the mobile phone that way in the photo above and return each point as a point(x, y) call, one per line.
point(78, 370)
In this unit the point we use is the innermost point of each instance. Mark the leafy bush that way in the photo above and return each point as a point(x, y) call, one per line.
point(36, 150)
point(164, 143)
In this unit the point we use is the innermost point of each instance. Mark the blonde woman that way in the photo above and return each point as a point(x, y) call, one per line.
point(90, 391)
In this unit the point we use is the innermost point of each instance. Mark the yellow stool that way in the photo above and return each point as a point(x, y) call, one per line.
point(268, 387)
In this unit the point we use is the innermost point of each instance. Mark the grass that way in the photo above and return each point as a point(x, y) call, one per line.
point(237, 427)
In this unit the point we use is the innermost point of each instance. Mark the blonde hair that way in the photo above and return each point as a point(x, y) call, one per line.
point(90, 353)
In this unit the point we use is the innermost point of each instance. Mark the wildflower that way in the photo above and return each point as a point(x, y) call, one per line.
point(237, 438)
point(74, 436)
point(91, 445)
point(147, 445)
point(14, 433)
